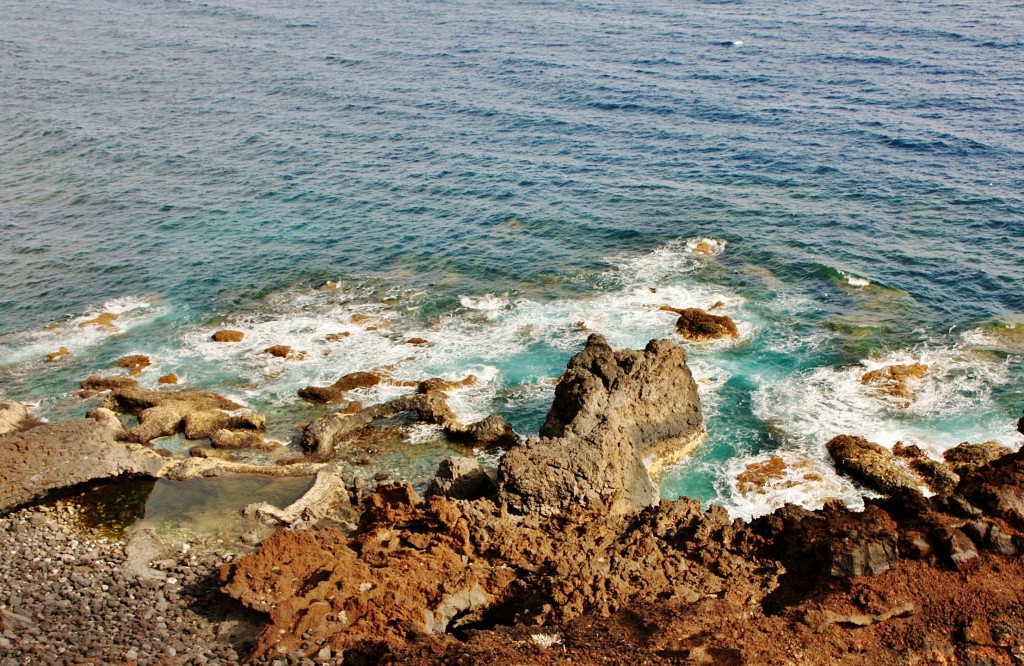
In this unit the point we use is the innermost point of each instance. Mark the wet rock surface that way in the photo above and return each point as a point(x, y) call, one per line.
point(698, 325)
point(870, 463)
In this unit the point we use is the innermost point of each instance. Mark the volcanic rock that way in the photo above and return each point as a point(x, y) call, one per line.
point(698, 325)
point(870, 463)
point(65, 453)
point(337, 392)
point(284, 351)
point(967, 457)
point(228, 336)
point(13, 416)
point(939, 476)
point(164, 413)
point(59, 354)
point(103, 320)
point(460, 478)
point(612, 412)
point(896, 381)
point(95, 383)
point(169, 378)
point(135, 363)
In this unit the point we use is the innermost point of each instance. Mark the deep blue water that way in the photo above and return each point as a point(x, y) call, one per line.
point(490, 175)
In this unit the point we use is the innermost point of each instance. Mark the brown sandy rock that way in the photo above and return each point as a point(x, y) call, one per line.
point(65, 453)
point(698, 325)
point(967, 457)
point(237, 439)
point(336, 337)
point(612, 412)
point(169, 378)
point(417, 341)
point(63, 352)
point(203, 423)
point(286, 352)
point(228, 335)
point(13, 416)
point(103, 320)
point(337, 392)
point(939, 476)
point(135, 363)
point(166, 413)
point(758, 476)
point(895, 381)
point(870, 463)
point(96, 383)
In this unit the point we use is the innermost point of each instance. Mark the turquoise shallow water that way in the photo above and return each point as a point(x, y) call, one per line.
point(502, 178)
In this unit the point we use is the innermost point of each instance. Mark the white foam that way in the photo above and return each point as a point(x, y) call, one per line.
point(854, 280)
point(78, 334)
point(485, 303)
point(805, 481)
point(422, 433)
point(949, 407)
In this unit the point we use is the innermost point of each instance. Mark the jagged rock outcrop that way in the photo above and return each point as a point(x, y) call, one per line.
point(96, 383)
point(939, 476)
point(13, 416)
point(614, 414)
point(967, 457)
point(65, 453)
point(870, 463)
point(459, 477)
point(324, 435)
point(135, 363)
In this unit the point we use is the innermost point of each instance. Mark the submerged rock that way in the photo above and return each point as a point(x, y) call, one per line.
point(612, 413)
point(896, 381)
point(698, 325)
point(103, 320)
point(58, 455)
point(871, 463)
point(338, 391)
point(285, 352)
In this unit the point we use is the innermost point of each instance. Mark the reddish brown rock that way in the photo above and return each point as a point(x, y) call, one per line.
point(228, 335)
point(967, 457)
point(103, 320)
point(63, 352)
point(417, 341)
point(870, 463)
point(939, 476)
point(135, 364)
point(336, 337)
point(169, 378)
point(697, 325)
point(96, 383)
point(338, 391)
point(896, 381)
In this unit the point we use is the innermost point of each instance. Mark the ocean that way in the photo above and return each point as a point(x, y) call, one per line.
point(501, 179)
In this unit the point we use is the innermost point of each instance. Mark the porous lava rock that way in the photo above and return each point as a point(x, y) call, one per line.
point(966, 457)
point(870, 463)
point(698, 325)
point(460, 477)
point(228, 335)
point(896, 382)
point(614, 414)
point(56, 455)
point(324, 435)
point(135, 363)
point(939, 476)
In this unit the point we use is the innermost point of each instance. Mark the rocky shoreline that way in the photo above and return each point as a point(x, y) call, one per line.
point(562, 554)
